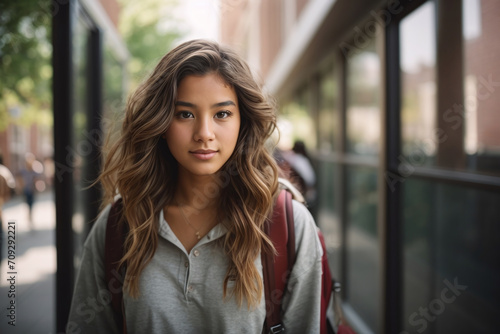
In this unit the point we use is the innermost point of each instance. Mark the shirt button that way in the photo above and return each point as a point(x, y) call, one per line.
point(196, 252)
point(190, 288)
point(186, 264)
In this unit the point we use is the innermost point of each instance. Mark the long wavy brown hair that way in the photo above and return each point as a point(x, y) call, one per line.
point(139, 167)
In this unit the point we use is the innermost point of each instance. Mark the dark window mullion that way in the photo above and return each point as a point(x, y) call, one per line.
point(62, 91)
point(392, 146)
point(94, 111)
point(340, 178)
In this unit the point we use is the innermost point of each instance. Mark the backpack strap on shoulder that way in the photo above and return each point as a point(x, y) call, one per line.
point(276, 269)
point(116, 232)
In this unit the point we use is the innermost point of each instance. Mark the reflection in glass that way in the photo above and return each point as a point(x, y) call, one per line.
point(113, 81)
point(327, 126)
point(363, 244)
point(418, 84)
point(295, 122)
point(482, 85)
point(466, 130)
point(451, 236)
point(113, 91)
point(327, 214)
point(76, 151)
point(326, 173)
point(363, 94)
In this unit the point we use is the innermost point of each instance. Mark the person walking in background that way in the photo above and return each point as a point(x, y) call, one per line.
point(302, 170)
point(29, 174)
point(7, 187)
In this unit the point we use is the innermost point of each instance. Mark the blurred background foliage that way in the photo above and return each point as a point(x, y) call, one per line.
point(25, 69)
point(149, 30)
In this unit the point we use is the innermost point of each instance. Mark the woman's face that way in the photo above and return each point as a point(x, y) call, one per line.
point(206, 124)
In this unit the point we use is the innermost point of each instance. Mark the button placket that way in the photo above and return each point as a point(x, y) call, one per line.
point(193, 267)
point(185, 268)
point(189, 286)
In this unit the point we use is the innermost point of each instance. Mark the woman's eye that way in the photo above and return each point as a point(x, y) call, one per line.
point(185, 114)
point(223, 114)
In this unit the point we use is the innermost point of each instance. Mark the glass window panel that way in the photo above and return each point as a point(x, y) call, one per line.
point(451, 239)
point(363, 96)
point(363, 244)
point(296, 123)
point(326, 193)
point(481, 85)
point(76, 151)
point(467, 130)
point(418, 84)
point(113, 92)
point(113, 82)
point(327, 119)
point(327, 214)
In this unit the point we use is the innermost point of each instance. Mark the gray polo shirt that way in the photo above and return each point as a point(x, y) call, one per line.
point(182, 293)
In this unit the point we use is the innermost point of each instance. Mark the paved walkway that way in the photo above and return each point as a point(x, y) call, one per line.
point(35, 267)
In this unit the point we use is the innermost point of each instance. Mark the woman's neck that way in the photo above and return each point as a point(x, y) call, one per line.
point(200, 193)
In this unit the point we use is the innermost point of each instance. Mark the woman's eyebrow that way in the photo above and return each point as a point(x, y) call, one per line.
point(217, 105)
point(185, 104)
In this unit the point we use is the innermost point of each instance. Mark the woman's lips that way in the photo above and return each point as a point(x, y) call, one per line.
point(203, 154)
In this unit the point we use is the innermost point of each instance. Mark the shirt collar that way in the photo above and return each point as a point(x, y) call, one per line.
point(166, 232)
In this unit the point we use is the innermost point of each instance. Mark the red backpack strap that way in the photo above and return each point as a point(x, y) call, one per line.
point(326, 285)
point(116, 232)
point(276, 269)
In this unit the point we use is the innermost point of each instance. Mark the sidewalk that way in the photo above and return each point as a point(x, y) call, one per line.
point(35, 267)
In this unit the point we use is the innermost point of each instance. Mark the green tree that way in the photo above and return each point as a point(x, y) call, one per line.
point(148, 29)
point(25, 69)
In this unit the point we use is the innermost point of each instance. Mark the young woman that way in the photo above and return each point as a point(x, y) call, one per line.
point(197, 185)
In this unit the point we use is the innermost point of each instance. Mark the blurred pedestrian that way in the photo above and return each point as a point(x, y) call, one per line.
point(286, 172)
point(32, 170)
point(7, 187)
point(302, 171)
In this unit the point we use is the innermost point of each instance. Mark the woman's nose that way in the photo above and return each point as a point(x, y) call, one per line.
point(204, 130)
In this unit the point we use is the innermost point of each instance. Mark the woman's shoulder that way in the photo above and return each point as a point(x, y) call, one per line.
point(304, 221)
point(306, 235)
point(301, 215)
point(307, 245)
